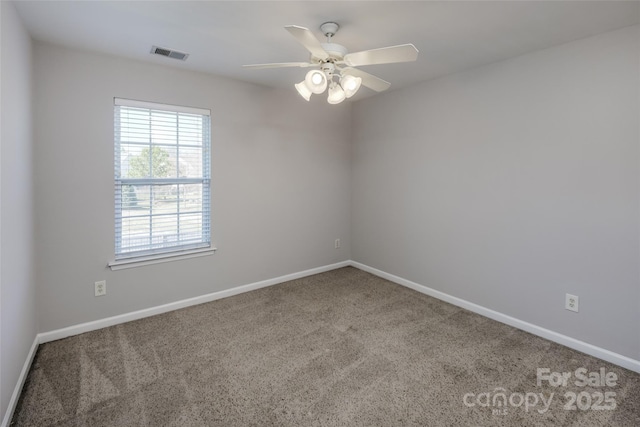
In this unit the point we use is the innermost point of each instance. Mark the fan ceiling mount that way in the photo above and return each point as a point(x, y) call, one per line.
point(335, 66)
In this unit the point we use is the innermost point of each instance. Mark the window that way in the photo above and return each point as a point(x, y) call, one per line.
point(162, 179)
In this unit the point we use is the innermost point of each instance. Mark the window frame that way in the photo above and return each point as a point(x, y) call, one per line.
point(152, 255)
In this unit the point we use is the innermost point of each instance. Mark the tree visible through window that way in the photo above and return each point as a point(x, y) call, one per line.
point(160, 163)
point(162, 178)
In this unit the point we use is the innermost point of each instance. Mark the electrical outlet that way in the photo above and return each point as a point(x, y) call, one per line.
point(337, 244)
point(571, 303)
point(101, 288)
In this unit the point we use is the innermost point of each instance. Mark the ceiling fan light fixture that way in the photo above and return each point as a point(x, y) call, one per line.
point(337, 66)
point(303, 90)
point(350, 84)
point(316, 81)
point(336, 94)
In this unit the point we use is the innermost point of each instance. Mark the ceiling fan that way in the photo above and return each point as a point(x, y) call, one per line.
point(336, 67)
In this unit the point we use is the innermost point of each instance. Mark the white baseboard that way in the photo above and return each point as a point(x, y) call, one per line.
point(590, 349)
point(152, 311)
point(21, 379)
point(573, 343)
point(44, 337)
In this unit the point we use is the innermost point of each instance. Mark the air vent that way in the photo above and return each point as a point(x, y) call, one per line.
point(169, 53)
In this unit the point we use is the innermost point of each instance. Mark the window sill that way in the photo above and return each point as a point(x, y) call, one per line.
point(160, 258)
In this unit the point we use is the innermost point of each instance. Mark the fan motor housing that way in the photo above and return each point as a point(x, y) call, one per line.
point(336, 51)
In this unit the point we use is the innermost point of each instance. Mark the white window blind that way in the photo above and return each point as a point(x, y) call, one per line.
point(162, 178)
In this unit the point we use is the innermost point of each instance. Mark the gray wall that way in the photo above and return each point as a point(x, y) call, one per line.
point(17, 282)
point(512, 184)
point(280, 193)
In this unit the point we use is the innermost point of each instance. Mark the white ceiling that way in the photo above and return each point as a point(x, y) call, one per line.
point(221, 36)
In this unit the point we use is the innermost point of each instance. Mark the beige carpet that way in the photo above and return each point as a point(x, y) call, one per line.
point(342, 348)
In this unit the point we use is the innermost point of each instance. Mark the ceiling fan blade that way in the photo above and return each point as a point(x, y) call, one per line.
point(279, 65)
point(308, 40)
point(368, 80)
point(384, 55)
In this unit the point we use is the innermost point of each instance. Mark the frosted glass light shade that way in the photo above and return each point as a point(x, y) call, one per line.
point(316, 81)
point(350, 84)
point(336, 94)
point(303, 90)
